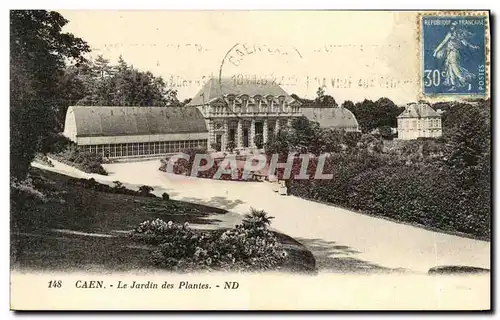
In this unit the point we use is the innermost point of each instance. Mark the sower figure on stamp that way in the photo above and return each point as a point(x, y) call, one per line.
point(450, 49)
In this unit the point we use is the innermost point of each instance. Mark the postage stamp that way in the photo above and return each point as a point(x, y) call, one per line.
point(229, 164)
point(454, 55)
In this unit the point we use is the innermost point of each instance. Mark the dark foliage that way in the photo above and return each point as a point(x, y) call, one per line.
point(372, 115)
point(118, 188)
point(227, 170)
point(88, 162)
point(145, 191)
point(38, 52)
point(439, 183)
point(250, 246)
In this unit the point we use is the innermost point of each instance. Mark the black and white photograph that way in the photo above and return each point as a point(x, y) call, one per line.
point(250, 160)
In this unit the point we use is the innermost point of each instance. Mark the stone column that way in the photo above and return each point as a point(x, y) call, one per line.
point(265, 132)
point(252, 134)
point(211, 133)
point(277, 126)
point(239, 134)
point(225, 137)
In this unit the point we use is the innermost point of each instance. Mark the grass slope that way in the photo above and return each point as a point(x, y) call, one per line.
point(87, 230)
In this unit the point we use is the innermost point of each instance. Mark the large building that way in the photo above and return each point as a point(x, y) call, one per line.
point(247, 114)
point(241, 111)
point(120, 132)
point(419, 120)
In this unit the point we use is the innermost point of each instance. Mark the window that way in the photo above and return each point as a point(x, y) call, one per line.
point(106, 150)
point(118, 150)
point(134, 148)
point(113, 150)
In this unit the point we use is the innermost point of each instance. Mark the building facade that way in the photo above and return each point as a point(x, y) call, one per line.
point(419, 120)
point(124, 132)
point(247, 114)
point(223, 116)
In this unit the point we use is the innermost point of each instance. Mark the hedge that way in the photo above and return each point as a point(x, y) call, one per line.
point(424, 194)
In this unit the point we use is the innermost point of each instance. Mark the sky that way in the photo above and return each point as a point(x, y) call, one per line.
point(353, 55)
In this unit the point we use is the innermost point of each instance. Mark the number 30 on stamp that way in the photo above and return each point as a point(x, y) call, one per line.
point(454, 55)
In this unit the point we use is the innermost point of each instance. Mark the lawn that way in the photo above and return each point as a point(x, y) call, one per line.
point(87, 230)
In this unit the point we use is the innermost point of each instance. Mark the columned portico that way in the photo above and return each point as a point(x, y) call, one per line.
point(265, 132)
point(239, 136)
point(243, 131)
point(211, 132)
point(248, 115)
point(225, 139)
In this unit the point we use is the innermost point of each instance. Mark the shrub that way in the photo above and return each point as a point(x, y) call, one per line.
point(56, 143)
point(248, 247)
point(42, 158)
point(215, 146)
point(86, 161)
point(184, 167)
point(230, 146)
point(22, 191)
point(425, 193)
point(145, 191)
point(165, 196)
point(386, 132)
point(118, 184)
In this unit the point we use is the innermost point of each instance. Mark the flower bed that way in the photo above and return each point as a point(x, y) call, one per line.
point(250, 246)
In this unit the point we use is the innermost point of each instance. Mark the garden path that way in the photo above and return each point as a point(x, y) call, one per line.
point(341, 240)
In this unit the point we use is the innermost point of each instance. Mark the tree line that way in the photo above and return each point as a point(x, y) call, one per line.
point(49, 72)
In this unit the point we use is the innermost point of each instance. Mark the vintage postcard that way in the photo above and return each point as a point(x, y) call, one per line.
point(250, 160)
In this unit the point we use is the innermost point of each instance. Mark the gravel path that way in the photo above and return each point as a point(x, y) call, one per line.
point(341, 240)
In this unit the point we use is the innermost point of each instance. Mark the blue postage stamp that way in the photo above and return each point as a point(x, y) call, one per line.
point(454, 55)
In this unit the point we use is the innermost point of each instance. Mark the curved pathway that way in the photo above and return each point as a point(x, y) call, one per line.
point(341, 240)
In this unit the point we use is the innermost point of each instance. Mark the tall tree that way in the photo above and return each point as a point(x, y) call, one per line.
point(124, 85)
point(469, 142)
point(321, 100)
point(38, 53)
point(372, 115)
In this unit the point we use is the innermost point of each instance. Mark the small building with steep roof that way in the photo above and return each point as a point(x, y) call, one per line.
point(120, 132)
point(419, 120)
